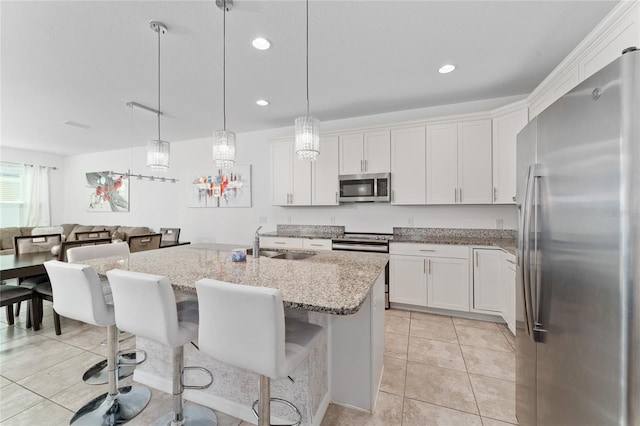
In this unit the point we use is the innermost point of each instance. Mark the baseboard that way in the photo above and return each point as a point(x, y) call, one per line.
point(460, 314)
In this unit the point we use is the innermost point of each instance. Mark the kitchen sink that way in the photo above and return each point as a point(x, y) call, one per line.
point(272, 254)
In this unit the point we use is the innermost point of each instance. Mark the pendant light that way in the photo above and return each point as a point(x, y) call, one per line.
point(224, 141)
point(307, 128)
point(158, 150)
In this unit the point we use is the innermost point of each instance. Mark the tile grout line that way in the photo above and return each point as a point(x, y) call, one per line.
point(475, 399)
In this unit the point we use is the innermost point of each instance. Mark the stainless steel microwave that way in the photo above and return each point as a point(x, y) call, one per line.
point(365, 188)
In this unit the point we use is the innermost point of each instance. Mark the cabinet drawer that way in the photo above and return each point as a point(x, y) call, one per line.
point(438, 250)
point(316, 244)
point(276, 242)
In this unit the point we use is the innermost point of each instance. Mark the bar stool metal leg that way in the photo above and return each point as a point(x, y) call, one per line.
point(192, 415)
point(118, 405)
point(264, 405)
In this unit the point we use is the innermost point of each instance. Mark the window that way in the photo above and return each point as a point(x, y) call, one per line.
point(11, 194)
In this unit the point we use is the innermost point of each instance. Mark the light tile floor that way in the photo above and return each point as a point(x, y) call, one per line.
point(443, 371)
point(438, 371)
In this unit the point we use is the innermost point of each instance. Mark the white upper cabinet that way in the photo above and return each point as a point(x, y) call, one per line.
point(442, 163)
point(290, 176)
point(459, 163)
point(366, 152)
point(324, 173)
point(505, 131)
point(408, 171)
point(474, 162)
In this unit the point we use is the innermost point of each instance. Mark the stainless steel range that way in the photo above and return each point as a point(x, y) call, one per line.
point(366, 242)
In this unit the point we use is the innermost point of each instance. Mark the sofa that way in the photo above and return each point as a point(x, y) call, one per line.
point(68, 230)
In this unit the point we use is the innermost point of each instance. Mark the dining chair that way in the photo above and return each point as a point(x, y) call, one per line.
point(10, 294)
point(35, 244)
point(170, 234)
point(91, 235)
point(68, 245)
point(144, 242)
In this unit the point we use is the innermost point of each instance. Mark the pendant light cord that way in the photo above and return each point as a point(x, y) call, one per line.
point(307, 58)
point(159, 31)
point(224, 65)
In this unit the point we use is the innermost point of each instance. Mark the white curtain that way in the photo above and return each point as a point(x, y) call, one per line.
point(36, 192)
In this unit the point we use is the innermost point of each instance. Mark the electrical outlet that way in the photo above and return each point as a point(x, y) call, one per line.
point(289, 220)
point(499, 224)
point(262, 219)
point(333, 220)
point(410, 221)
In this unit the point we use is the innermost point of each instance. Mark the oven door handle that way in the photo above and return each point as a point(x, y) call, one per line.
point(361, 247)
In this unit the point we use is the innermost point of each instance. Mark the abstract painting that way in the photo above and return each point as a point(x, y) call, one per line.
point(108, 192)
point(222, 188)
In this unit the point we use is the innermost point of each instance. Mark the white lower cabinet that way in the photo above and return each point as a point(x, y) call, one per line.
point(509, 291)
point(408, 280)
point(281, 242)
point(448, 283)
point(487, 280)
point(429, 276)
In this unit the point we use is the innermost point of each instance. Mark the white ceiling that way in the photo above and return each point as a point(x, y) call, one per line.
point(84, 60)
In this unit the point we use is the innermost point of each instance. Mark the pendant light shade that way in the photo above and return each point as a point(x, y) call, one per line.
point(158, 155)
point(307, 137)
point(158, 150)
point(224, 141)
point(224, 149)
point(307, 128)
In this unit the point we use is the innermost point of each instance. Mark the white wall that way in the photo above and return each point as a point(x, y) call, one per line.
point(56, 177)
point(158, 204)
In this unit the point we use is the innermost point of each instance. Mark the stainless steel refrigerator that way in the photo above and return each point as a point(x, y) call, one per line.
point(578, 275)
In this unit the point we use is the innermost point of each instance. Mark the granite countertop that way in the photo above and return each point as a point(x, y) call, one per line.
point(329, 282)
point(507, 244)
point(306, 231)
point(502, 238)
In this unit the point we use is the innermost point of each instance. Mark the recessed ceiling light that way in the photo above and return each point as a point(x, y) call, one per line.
point(261, 43)
point(446, 69)
point(262, 102)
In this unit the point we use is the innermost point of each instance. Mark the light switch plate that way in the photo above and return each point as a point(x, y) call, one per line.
point(499, 224)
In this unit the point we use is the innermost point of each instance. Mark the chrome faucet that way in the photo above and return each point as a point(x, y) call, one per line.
point(256, 243)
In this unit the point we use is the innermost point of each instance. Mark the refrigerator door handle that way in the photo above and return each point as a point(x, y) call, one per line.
point(535, 294)
point(526, 252)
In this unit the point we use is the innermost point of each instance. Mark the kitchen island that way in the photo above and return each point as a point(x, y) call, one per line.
point(341, 291)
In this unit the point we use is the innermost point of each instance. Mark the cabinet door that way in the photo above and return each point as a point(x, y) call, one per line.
point(448, 283)
point(442, 163)
point(474, 162)
point(377, 152)
point(487, 280)
point(407, 280)
point(408, 171)
point(281, 159)
point(324, 173)
point(505, 132)
point(300, 180)
point(351, 154)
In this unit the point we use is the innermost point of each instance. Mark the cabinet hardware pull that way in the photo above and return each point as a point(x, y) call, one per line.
point(366, 165)
point(426, 250)
point(279, 242)
point(336, 198)
point(495, 193)
point(455, 195)
point(424, 265)
point(511, 261)
point(429, 266)
point(513, 198)
point(316, 245)
point(460, 195)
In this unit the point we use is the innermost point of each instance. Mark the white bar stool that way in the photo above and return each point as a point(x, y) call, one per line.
point(78, 295)
point(245, 326)
point(165, 322)
point(98, 374)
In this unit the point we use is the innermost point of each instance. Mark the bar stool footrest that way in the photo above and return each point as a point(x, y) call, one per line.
point(196, 386)
point(131, 358)
point(281, 401)
point(99, 375)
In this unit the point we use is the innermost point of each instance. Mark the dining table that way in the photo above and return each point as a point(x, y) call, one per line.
point(23, 265)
